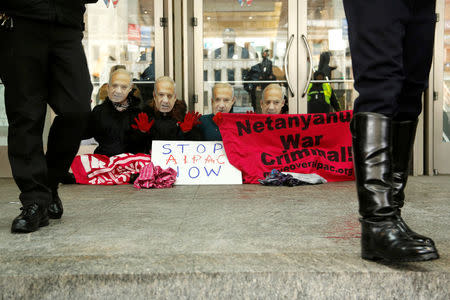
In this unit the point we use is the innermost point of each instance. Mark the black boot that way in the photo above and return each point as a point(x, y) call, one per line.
point(403, 133)
point(381, 234)
point(30, 219)
point(55, 209)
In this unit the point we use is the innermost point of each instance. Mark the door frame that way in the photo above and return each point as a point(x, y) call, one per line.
point(438, 150)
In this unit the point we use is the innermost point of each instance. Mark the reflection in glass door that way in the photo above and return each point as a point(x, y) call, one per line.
point(327, 47)
point(245, 44)
point(441, 103)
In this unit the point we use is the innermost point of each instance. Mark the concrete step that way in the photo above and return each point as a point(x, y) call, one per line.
point(217, 242)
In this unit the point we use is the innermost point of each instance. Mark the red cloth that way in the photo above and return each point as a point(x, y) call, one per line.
point(155, 177)
point(99, 169)
point(307, 143)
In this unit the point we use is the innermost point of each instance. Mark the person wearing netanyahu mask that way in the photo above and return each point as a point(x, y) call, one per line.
point(113, 123)
point(272, 100)
point(223, 100)
point(171, 122)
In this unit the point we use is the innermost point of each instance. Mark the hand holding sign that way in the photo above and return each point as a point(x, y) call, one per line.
point(190, 120)
point(218, 118)
point(142, 123)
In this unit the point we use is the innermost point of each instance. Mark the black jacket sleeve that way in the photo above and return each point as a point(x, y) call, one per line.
point(136, 141)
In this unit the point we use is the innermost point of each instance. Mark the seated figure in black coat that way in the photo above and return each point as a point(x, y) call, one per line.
point(111, 122)
point(171, 122)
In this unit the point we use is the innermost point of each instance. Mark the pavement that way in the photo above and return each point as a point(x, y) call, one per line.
point(218, 242)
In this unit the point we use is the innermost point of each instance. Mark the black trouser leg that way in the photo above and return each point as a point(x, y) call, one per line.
point(24, 72)
point(417, 58)
point(63, 143)
point(376, 32)
point(69, 98)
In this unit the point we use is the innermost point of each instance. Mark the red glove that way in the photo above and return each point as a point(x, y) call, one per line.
point(190, 120)
point(218, 118)
point(142, 123)
point(250, 112)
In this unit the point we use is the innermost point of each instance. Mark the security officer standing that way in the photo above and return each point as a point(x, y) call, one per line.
point(391, 43)
point(42, 62)
point(321, 96)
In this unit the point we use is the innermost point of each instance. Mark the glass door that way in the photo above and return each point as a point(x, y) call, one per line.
point(324, 57)
point(248, 44)
point(441, 82)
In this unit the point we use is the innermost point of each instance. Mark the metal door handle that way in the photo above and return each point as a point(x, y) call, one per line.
point(305, 40)
point(286, 65)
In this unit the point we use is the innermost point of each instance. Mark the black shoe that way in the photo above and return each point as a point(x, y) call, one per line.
point(30, 219)
point(384, 239)
point(55, 209)
point(68, 178)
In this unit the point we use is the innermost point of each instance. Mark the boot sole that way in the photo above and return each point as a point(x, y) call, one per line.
point(54, 216)
point(423, 257)
point(43, 223)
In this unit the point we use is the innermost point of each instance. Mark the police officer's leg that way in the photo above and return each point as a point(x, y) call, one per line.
point(23, 71)
point(376, 32)
point(417, 58)
point(70, 94)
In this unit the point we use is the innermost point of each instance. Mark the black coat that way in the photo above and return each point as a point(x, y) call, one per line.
point(64, 12)
point(112, 129)
point(166, 126)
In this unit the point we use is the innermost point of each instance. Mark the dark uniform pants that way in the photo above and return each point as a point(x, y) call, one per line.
point(40, 64)
point(391, 42)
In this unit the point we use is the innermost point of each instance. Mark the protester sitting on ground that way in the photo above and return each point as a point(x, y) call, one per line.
point(171, 122)
point(272, 100)
point(222, 101)
point(321, 96)
point(110, 122)
point(103, 90)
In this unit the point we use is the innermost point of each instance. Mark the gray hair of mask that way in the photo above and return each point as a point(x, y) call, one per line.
point(223, 85)
point(274, 86)
point(164, 78)
point(121, 71)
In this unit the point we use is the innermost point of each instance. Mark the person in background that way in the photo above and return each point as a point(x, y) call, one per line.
point(259, 72)
point(148, 75)
point(391, 43)
point(54, 73)
point(324, 65)
point(222, 100)
point(171, 122)
point(272, 100)
point(321, 96)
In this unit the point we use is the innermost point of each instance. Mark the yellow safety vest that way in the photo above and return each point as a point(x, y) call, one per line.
point(326, 90)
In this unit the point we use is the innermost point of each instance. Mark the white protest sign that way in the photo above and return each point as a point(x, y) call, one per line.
point(196, 162)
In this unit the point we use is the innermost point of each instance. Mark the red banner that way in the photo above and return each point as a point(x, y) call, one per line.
point(307, 143)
